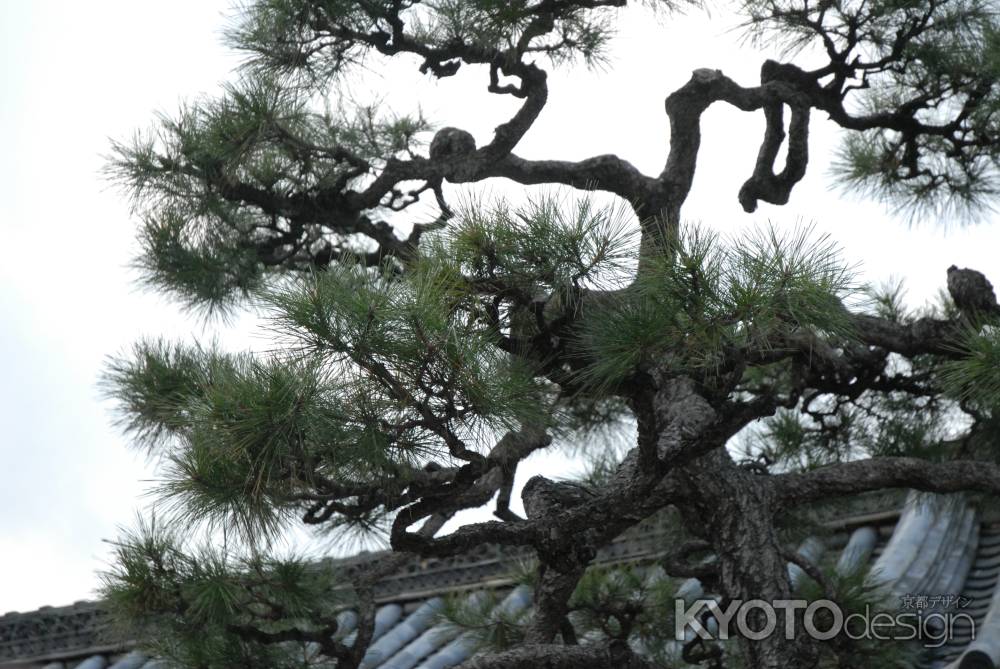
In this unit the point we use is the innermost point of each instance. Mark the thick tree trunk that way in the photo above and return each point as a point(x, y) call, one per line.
point(734, 512)
point(552, 593)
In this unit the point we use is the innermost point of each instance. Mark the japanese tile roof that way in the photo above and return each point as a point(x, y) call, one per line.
point(930, 549)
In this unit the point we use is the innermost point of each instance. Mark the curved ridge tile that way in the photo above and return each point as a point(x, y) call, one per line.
point(906, 543)
point(385, 618)
point(690, 590)
point(346, 622)
point(858, 550)
point(421, 647)
point(811, 550)
point(95, 662)
point(424, 645)
point(464, 646)
point(984, 651)
point(959, 561)
point(133, 660)
point(403, 633)
point(454, 653)
point(950, 518)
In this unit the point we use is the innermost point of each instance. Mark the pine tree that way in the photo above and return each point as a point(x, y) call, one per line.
point(410, 375)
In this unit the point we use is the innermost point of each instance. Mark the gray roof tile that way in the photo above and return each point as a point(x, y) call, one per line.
point(933, 549)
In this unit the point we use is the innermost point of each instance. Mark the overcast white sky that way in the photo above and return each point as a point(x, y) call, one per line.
point(74, 74)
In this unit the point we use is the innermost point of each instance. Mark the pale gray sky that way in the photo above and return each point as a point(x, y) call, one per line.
point(73, 75)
